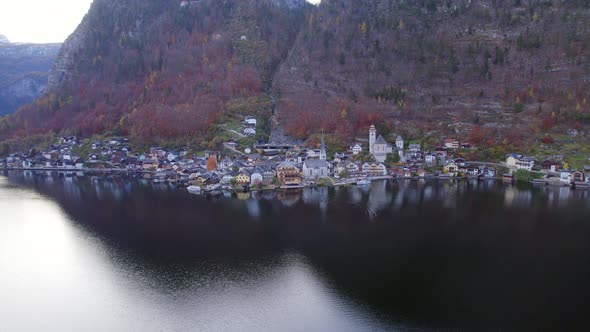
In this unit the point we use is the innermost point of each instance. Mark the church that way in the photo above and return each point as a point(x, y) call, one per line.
point(315, 169)
point(378, 147)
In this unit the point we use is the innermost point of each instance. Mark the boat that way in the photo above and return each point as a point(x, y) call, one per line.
point(294, 185)
point(194, 189)
point(213, 187)
point(363, 183)
point(508, 178)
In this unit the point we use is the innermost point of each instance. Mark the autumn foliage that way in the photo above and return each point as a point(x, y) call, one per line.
point(153, 70)
point(212, 163)
point(173, 76)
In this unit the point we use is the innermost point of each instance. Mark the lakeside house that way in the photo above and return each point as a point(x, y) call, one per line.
point(578, 176)
point(451, 168)
point(565, 176)
point(517, 161)
point(256, 177)
point(551, 166)
point(289, 174)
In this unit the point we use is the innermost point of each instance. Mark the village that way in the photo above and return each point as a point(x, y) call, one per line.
point(269, 167)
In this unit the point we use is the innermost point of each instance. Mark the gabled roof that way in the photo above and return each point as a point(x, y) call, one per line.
point(287, 164)
point(315, 163)
point(246, 172)
point(380, 140)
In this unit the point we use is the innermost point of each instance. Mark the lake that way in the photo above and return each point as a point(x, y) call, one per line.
point(96, 254)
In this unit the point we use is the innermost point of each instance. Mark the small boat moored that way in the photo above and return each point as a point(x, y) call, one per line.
point(508, 178)
point(194, 189)
point(363, 183)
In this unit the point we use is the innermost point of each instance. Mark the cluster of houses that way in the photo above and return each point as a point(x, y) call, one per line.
point(293, 167)
point(412, 154)
point(58, 155)
point(413, 160)
point(553, 169)
point(250, 126)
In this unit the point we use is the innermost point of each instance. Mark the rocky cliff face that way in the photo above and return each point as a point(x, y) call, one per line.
point(158, 70)
point(65, 60)
point(24, 70)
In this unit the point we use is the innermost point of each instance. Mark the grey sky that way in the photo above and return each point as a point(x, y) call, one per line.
point(43, 21)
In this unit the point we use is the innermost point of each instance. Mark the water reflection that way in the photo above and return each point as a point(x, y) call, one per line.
point(69, 277)
point(427, 254)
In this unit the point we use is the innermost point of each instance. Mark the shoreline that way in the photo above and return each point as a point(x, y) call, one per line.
point(350, 182)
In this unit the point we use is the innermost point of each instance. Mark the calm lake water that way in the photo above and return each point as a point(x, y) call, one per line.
point(98, 254)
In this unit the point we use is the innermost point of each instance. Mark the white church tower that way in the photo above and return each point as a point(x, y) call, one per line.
point(372, 139)
point(323, 155)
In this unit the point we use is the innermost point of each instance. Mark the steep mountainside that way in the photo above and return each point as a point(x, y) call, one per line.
point(23, 72)
point(438, 65)
point(158, 70)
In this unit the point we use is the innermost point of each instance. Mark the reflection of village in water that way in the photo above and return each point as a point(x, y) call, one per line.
point(375, 198)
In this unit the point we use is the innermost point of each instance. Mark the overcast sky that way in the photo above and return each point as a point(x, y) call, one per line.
point(43, 21)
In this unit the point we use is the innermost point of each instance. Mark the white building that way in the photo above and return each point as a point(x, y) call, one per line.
point(414, 148)
point(525, 163)
point(314, 169)
point(372, 138)
point(256, 178)
point(312, 153)
point(378, 147)
point(512, 159)
point(452, 144)
point(430, 159)
point(251, 121)
point(249, 131)
point(356, 149)
point(399, 143)
point(565, 176)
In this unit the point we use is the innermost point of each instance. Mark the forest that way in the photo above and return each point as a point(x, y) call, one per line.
point(501, 72)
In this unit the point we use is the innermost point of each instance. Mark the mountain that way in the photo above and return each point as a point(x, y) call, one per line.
point(24, 70)
point(163, 69)
point(447, 66)
point(500, 71)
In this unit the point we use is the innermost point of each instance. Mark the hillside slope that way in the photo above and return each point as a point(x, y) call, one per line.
point(159, 71)
point(438, 65)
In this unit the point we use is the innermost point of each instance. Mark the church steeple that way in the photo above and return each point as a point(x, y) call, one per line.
point(372, 138)
point(323, 149)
